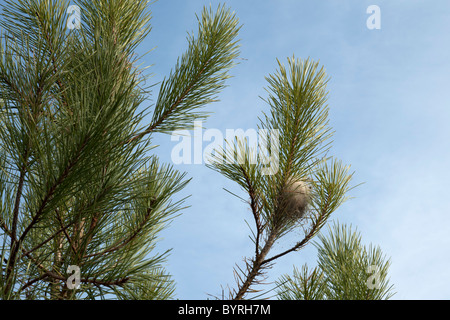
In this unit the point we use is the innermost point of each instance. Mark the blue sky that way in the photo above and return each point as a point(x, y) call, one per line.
point(389, 106)
point(390, 109)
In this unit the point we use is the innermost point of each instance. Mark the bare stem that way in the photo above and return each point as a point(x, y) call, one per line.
point(257, 265)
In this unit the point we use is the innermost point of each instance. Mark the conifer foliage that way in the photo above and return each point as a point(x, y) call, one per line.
point(81, 189)
point(346, 270)
point(297, 98)
point(77, 184)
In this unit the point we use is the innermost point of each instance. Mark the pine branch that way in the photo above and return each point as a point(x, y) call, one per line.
point(53, 57)
point(55, 276)
point(171, 109)
point(123, 242)
point(53, 188)
point(33, 281)
point(341, 272)
point(5, 228)
point(63, 229)
point(18, 197)
point(37, 216)
point(52, 237)
point(255, 210)
point(314, 230)
point(199, 75)
point(297, 98)
point(257, 265)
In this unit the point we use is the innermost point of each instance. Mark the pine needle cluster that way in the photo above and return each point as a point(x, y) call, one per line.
point(346, 270)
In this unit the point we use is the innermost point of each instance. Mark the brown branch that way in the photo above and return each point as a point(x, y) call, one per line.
point(14, 243)
point(5, 227)
point(38, 214)
point(23, 169)
point(294, 248)
point(257, 265)
point(21, 179)
point(40, 266)
point(47, 273)
point(31, 282)
point(307, 238)
point(52, 190)
point(97, 282)
point(89, 234)
point(123, 242)
point(260, 262)
point(96, 217)
point(254, 206)
point(63, 229)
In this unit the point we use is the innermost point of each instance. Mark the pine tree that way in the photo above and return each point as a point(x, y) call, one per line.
point(77, 184)
point(300, 188)
point(346, 270)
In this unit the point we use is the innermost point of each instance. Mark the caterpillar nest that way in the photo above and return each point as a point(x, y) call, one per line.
point(296, 197)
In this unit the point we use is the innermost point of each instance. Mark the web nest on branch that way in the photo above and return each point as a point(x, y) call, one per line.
point(295, 198)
